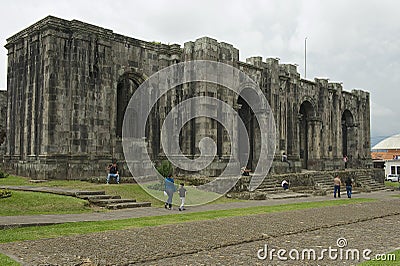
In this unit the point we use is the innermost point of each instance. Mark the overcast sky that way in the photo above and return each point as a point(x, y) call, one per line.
point(351, 41)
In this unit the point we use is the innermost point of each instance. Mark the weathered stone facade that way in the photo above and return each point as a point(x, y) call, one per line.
point(69, 84)
point(3, 122)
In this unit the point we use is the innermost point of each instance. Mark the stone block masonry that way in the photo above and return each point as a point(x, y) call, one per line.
point(69, 83)
point(3, 122)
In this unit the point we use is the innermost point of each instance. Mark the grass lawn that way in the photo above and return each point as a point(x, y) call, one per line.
point(6, 261)
point(125, 190)
point(194, 196)
point(392, 184)
point(31, 233)
point(392, 258)
point(30, 203)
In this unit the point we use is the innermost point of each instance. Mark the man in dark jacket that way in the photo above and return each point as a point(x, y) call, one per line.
point(113, 172)
point(349, 186)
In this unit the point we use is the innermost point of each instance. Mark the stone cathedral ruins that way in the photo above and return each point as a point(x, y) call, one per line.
point(69, 84)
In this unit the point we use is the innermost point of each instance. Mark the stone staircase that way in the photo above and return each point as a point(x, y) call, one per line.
point(362, 183)
point(368, 183)
point(270, 186)
point(309, 182)
point(323, 182)
point(272, 189)
point(96, 198)
point(99, 198)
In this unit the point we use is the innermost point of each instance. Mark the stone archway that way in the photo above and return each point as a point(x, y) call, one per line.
point(348, 135)
point(127, 84)
point(249, 148)
point(246, 114)
point(126, 87)
point(125, 90)
point(306, 113)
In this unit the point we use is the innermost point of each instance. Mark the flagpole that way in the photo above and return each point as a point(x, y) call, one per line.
point(305, 58)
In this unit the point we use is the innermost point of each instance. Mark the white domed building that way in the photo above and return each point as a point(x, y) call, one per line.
point(387, 154)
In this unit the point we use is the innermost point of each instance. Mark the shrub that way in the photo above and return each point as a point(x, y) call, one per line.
point(3, 174)
point(4, 193)
point(165, 169)
point(159, 186)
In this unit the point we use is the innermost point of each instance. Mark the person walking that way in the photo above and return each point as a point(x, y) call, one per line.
point(349, 186)
point(336, 186)
point(169, 189)
point(182, 195)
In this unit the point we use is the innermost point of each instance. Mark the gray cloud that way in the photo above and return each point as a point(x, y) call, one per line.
point(350, 41)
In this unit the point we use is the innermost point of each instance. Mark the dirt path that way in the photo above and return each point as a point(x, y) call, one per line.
point(225, 241)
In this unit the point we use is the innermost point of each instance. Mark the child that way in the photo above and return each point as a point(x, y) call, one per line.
point(285, 185)
point(182, 195)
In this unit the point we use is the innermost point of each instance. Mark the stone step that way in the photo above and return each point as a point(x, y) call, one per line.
point(310, 191)
point(373, 184)
point(128, 205)
point(90, 193)
point(273, 192)
point(377, 188)
point(324, 183)
point(271, 186)
point(93, 197)
point(270, 189)
point(287, 196)
point(105, 202)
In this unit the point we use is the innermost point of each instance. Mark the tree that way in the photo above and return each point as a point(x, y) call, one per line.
point(165, 168)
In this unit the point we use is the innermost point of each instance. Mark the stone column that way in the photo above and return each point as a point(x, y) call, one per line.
point(314, 145)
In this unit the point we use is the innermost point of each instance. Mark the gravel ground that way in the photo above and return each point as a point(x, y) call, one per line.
point(227, 241)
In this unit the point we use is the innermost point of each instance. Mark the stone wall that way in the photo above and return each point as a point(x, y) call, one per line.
point(69, 83)
point(3, 122)
point(65, 78)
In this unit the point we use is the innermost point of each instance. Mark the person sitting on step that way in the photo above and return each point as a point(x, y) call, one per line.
point(113, 172)
point(285, 185)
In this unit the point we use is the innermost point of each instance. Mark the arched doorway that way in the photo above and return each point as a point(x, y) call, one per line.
point(127, 84)
point(125, 89)
point(348, 135)
point(249, 145)
point(246, 114)
point(306, 112)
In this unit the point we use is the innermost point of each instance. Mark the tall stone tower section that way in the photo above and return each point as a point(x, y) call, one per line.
point(205, 127)
point(69, 83)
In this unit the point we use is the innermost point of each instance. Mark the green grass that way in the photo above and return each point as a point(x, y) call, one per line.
point(392, 184)
point(125, 190)
point(393, 261)
point(30, 203)
point(32, 233)
point(14, 181)
point(194, 195)
point(6, 261)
